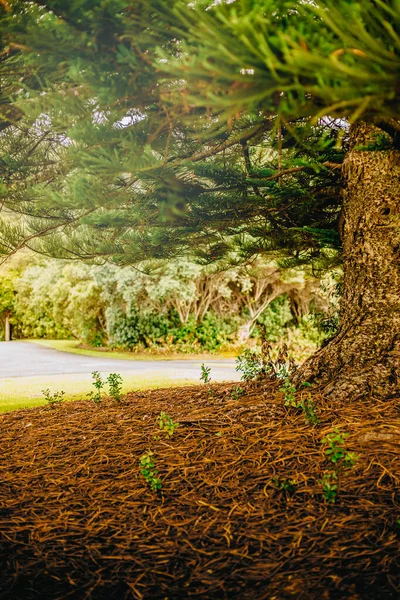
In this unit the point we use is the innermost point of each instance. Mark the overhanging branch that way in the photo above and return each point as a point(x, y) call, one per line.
point(330, 165)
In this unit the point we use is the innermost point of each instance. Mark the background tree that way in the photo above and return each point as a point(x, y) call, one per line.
point(180, 306)
point(258, 284)
point(6, 306)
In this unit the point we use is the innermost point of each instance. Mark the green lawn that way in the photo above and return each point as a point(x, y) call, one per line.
point(73, 347)
point(26, 392)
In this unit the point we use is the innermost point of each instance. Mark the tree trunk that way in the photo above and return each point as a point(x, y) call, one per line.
point(7, 327)
point(363, 359)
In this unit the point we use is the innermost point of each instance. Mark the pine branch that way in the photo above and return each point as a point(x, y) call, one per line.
point(237, 139)
point(44, 232)
point(330, 165)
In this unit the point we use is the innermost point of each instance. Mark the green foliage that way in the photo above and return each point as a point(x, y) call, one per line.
point(198, 171)
point(255, 364)
point(7, 292)
point(98, 384)
point(136, 328)
point(205, 374)
point(289, 391)
point(167, 424)
point(305, 404)
point(155, 329)
point(308, 407)
point(336, 441)
point(7, 300)
point(59, 301)
point(114, 381)
point(350, 459)
point(324, 313)
point(107, 305)
point(381, 142)
point(53, 399)
point(147, 468)
point(249, 364)
point(35, 301)
point(286, 485)
point(329, 485)
point(291, 52)
point(210, 335)
point(342, 459)
point(236, 392)
point(130, 193)
point(337, 452)
point(276, 318)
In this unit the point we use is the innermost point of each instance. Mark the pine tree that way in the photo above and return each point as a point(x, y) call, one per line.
point(318, 60)
point(255, 126)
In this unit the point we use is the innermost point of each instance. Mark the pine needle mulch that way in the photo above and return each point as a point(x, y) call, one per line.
point(77, 519)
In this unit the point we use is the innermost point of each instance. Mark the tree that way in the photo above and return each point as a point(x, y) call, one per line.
point(6, 304)
point(270, 90)
point(257, 285)
point(312, 60)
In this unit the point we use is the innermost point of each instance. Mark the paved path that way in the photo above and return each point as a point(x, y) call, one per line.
point(26, 359)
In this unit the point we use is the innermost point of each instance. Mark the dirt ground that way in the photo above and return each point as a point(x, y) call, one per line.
point(241, 514)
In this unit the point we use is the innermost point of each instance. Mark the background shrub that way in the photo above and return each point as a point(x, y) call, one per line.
point(177, 307)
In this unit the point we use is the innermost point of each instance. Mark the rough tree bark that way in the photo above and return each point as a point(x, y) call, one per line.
point(363, 358)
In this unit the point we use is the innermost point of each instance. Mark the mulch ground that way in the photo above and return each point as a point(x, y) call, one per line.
point(77, 519)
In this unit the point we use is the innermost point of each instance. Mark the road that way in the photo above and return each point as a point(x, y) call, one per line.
point(26, 359)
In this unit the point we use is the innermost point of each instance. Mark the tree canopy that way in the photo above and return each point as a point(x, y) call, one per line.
point(142, 144)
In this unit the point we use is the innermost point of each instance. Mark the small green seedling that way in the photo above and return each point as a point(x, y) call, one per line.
point(337, 452)
point(205, 374)
point(166, 424)
point(350, 459)
point(236, 392)
point(53, 399)
point(289, 391)
point(114, 381)
point(337, 446)
point(147, 464)
point(338, 455)
point(99, 385)
point(308, 408)
point(329, 485)
point(285, 485)
point(306, 405)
